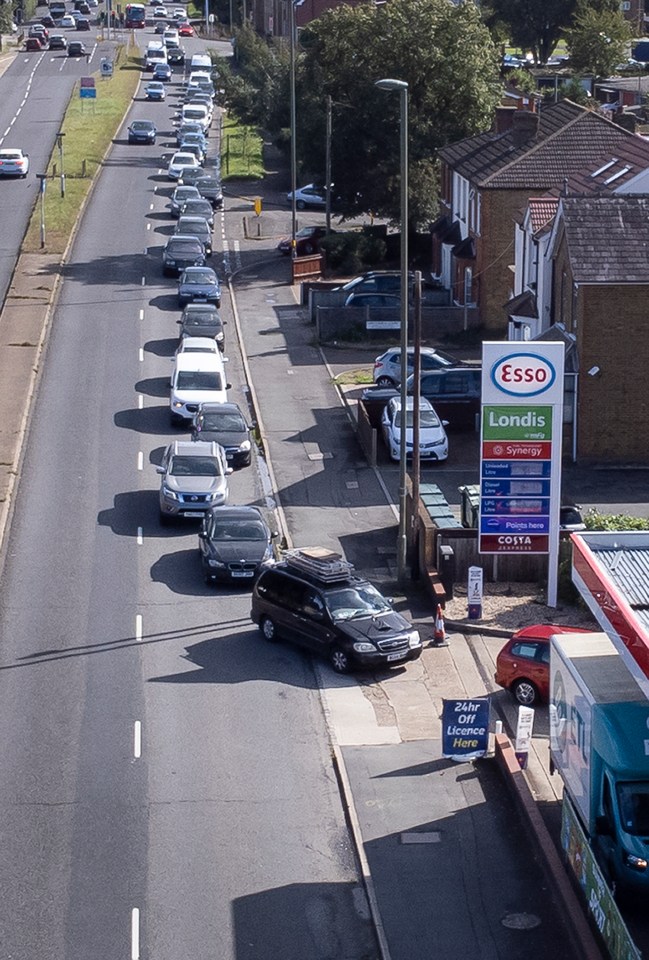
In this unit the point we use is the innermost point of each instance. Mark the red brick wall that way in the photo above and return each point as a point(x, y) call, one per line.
point(495, 254)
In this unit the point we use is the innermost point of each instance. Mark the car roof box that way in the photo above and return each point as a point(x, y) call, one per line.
point(321, 564)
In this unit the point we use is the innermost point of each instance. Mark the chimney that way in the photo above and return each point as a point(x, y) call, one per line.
point(524, 127)
point(503, 121)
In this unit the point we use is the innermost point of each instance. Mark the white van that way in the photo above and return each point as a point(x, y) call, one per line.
point(196, 113)
point(156, 52)
point(201, 61)
point(196, 378)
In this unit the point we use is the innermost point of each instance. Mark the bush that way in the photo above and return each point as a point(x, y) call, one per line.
point(352, 251)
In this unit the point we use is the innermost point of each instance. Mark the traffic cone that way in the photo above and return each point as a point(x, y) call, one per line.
point(439, 636)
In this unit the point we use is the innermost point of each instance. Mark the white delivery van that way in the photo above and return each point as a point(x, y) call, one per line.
point(156, 52)
point(196, 113)
point(201, 61)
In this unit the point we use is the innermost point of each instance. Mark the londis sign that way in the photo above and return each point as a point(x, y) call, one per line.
point(522, 397)
point(523, 375)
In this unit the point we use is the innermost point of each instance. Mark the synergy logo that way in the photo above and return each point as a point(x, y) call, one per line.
point(523, 374)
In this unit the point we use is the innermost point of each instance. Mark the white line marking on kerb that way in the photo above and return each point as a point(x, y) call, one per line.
point(137, 739)
point(135, 934)
point(140, 460)
point(140, 540)
point(138, 627)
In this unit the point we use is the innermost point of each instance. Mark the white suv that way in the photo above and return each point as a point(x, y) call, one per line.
point(196, 378)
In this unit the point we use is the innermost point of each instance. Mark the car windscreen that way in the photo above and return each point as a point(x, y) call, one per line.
point(141, 125)
point(224, 530)
point(196, 113)
point(352, 603)
point(223, 422)
point(184, 247)
point(193, 225)
point(194, 467)
point(198, 278)
point(634, 807)
point(199, 380)
point(198, 208)
point(426, 419)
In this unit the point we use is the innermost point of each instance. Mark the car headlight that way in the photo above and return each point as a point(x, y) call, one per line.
point(216, 563)
point(245, 446)
point(364, 647)
point(177, 404)
point(634, 862)
point(219, 337)
point(268, 553)
point(414, 640)
point(169, 493)
point(171, 263)
point(437, 443)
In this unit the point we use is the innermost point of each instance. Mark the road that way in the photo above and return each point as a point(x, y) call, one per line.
point(166, 789)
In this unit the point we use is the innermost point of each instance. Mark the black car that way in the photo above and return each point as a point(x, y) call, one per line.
point(142, 131)
point(202, 320)
point(225, 424)
point(182, 252)
point(83, 23)
point(196, 227)
point(314, 599)
point(175, 55)
point(198, 208)
point(76, 49)
point(235, 543)
point(210, 188)
point(455, 393)
point(191, 174)
point(58, 42)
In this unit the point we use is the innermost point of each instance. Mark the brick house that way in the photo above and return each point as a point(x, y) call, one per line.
point(487, 179)
point(600, 291)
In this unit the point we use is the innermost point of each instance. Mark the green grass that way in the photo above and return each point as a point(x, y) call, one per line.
point(361, 375)
point(241, 151)
point(89, 127)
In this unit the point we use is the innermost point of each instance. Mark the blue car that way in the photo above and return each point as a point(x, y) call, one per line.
point(199, 283)
point(155, 91)
point(162, 72)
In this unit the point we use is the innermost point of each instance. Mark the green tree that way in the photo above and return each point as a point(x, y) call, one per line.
point(597, 41)
point(534, 25)
point(256, 89)
point(6, 17)
point(447, 57)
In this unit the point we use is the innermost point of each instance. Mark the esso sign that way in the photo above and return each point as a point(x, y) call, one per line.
point(523, 374)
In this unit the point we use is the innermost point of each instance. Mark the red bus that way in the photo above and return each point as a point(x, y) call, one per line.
point(134, 16)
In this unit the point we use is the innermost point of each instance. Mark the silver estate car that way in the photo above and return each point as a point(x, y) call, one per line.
point(194, 479)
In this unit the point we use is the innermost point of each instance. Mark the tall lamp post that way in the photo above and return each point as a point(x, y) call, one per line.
point(59, 143)
point(402, 541)
point(292, 4)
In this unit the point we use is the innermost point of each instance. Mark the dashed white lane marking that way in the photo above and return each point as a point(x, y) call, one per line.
point(141, 354)
point(150, 206)
point(137, 739)
point(140, 402)
point(148, 226)
point(140, 460)
point(138, 627)
point(135, 934)
point(237, 255)
point(143, 281)
point(141, 314)
point(140, 538)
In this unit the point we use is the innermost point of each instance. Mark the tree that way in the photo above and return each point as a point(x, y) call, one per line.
point(534, 25)
point(597, 41)
point(447, 57)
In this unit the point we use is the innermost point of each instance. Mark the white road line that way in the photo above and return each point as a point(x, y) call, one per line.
point(141, 314)
point(137, 739)
point(150, 206)
point(141, 354)
point(7, 131)
point(140, 402)
point(138, 627)
point(140, 539)
point(140, 460)
point(135, 934)
point(148, 226)
point(143, 281)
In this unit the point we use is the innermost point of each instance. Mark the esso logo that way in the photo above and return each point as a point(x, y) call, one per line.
point(523, 374)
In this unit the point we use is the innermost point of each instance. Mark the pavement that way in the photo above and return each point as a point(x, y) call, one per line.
point(439, 855)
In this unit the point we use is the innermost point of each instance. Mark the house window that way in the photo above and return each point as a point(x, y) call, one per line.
point(461, 201)
point(626, 5)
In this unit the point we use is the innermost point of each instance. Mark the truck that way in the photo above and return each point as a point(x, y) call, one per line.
point(599, 745)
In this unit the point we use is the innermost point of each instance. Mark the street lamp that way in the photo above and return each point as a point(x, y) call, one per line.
point(43, 181)
point(292, 5)
point(402, 541)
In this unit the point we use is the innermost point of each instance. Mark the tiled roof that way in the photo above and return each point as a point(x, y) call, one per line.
point(542, 211)
point(607, 238)
point(569, 138)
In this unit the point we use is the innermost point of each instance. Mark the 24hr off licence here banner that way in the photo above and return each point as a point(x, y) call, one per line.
point(465, 728)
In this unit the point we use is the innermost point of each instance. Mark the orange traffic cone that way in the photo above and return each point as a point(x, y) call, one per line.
point(439, 636)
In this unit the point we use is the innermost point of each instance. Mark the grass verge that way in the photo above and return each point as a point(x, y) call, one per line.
point(89, 127)
point(241, 150)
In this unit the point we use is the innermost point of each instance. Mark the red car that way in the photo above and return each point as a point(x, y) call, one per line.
point(523, 664)
point(185, 30)
point(34, 43)
point(307, 241)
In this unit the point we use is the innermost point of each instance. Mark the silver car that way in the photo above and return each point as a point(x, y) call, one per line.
point(387, 367)
point(194, 479)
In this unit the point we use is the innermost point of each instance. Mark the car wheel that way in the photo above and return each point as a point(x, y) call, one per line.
point(339, 660)
point(308, 249)
point(385, 382)
point(268, 630)
point(525, 692)
point(300, 204)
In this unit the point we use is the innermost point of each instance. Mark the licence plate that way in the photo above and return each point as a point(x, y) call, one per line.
point(396, 656)
point(242, 573)
point(194, 513)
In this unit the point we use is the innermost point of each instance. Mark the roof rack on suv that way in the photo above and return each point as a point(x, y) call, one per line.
point(321, 564)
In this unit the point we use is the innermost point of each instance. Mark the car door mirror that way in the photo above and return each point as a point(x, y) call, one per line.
point(228, 471)
point(160, 470)
point(228, 386)
point(445, 423)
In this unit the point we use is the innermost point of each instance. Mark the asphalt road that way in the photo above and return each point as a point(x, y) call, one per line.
point(166, 787)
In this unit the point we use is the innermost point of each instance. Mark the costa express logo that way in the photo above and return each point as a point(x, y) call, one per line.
point(523, 374)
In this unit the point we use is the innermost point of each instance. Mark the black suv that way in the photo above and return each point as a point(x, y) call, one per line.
point(455, 393)
point(314, 599)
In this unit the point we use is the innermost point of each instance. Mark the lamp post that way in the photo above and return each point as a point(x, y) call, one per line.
point(43, 179)
point(402, 541)
point(59, 143)
point(291, 4)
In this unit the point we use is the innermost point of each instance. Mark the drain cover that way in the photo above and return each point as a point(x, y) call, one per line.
point(521, 921)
